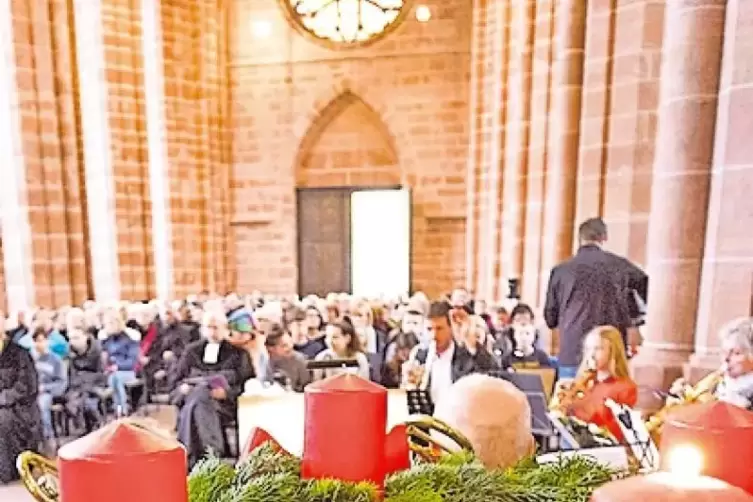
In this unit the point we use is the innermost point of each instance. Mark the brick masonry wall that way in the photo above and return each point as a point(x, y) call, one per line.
point(124, 75)
point(402, 100)
point(45, 73)
point(194, 38)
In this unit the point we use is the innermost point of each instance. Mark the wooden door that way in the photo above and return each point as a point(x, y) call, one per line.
point(323, 241)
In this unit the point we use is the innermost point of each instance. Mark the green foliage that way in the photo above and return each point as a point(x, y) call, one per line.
point(271, 476)
point(266, 460)
point(209, 479)
point(330, 490)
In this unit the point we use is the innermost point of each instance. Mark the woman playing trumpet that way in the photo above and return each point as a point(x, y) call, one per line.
point(733, 383)
point(602, 375)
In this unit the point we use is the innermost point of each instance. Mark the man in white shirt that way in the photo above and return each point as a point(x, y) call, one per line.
point(444, 361)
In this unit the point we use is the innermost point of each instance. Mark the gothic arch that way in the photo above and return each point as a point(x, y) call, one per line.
point(347, 144)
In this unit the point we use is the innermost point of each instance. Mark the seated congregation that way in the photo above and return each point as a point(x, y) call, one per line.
point(67, 372)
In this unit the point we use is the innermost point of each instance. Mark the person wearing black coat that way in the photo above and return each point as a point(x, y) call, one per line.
point(87, 382)
point(20, 420)
point(593, 288)
point(207, 381)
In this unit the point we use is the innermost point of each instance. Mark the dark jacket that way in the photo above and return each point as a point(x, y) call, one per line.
point(20, 423)
point(311, 347)
point(463, 363)
point(86, 369)
point(593, 288)
point(232, 363)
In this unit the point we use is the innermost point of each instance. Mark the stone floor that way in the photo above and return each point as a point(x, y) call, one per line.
point(14, 493)
point(165, 415)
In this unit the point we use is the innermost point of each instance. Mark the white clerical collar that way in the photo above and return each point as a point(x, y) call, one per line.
point(211, 353)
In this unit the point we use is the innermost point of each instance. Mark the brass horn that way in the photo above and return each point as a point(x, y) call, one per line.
point(427, 446)
point(39, 476)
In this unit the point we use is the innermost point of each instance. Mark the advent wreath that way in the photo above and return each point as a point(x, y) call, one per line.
point(268, 475)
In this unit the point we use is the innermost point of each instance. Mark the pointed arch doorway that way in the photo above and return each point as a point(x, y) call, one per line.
point(351, 206)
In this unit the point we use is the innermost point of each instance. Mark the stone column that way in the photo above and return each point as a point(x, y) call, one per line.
point(491, 132)
point(159, 183)
point(14, 204)
point(98, 156)
point(474, 149)
point(537, 147)
point(517, 134)
point(564, 131)
point(727, 276)
point(692, 48)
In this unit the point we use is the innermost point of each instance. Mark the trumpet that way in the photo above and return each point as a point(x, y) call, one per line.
point(702, 392)
point(568, 393)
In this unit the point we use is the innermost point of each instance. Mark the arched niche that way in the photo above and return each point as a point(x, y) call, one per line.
point(347, 145)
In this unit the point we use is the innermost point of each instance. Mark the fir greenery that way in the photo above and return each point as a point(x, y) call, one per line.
point(268, 475)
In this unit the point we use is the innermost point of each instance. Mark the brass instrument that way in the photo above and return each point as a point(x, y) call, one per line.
point(701, 392)
point(39, 476)
point(426, 446)
point(565, 395)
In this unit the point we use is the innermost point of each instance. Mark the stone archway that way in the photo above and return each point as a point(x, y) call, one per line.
point(348, 147)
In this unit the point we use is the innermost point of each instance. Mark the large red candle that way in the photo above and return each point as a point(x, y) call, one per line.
point(123, 462)
point(668, 487)
point(722, 436)
point(345, 430)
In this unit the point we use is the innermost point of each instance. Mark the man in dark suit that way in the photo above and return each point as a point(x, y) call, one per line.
point(593, 288)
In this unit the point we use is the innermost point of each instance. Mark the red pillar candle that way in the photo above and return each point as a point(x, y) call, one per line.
point(345, 430)
point(669, 487)
point(123, 462)
point(719, 434)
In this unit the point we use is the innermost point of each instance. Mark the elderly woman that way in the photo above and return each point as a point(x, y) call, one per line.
point(737, 348)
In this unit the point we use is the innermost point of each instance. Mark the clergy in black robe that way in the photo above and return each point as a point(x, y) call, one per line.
point(208, 379)
point(20, 422)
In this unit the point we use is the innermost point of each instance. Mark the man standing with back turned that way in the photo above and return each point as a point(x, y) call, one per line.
point(593, 288)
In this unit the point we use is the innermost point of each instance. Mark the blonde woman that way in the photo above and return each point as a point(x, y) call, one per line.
point(603, 374)
point(476, 339)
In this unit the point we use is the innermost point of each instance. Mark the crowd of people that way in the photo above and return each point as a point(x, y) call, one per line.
point(84, 365)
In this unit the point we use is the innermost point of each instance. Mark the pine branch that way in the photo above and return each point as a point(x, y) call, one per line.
point(209, 479)
point(267, 460)
point(269, 475)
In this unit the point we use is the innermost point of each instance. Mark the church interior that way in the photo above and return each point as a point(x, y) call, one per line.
point(155, 151)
